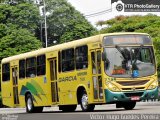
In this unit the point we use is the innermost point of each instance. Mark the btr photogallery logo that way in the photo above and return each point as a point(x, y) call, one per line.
point(135, 5)
point(119, 7)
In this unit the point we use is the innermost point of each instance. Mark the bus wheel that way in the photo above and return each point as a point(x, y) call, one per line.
point(29, 104)
point(84, 103)
point(68, 108)
point(129, 105)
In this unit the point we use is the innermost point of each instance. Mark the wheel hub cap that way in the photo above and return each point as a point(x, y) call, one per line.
point(29, 104)
point(85, 101)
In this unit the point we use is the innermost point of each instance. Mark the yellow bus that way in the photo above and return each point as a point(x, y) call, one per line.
point(117, 68)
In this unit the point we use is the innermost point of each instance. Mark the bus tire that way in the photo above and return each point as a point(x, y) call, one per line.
point(29, 104)
point(68, 108)
point(84, 103)
point(129, 105)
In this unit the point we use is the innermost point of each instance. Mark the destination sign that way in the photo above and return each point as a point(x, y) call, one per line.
point(127, 40)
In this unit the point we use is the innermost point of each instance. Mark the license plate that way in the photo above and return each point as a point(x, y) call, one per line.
point(135, 98)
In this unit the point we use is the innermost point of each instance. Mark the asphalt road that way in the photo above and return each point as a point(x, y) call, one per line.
point(142, 111)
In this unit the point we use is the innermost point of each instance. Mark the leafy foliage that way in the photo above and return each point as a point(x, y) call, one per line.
point(147, 24)
point(65, 23)
point(18, 41)
point(23, 15)
point(18, 26)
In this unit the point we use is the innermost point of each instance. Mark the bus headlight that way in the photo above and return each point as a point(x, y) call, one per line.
point(112, 87)
point(153, 85)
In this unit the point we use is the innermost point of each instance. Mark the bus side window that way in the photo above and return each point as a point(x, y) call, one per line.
point(59, 61)
point(68, 60)
point(41, 65)
point(82, 57)
point(22, 68)
point(6, 72)
point(31, 67)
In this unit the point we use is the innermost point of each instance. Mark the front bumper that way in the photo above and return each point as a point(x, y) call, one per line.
point(113, 97)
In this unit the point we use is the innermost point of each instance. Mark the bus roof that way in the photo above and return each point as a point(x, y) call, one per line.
point(80, 42)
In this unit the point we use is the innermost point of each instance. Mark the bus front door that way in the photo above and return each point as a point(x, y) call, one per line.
point(53, 77)
point(97, 75)
point(15, 85)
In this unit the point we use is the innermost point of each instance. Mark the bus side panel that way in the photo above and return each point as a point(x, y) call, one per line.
point(21, 96)
point(7, 93)
point(38, 87)
point(84, 80)
point(67, 88)
point(7, 90)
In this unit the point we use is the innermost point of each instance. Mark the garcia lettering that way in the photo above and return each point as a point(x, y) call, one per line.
point(68, 78)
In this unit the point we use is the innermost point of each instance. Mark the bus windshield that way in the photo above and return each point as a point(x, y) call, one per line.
point(124, 61)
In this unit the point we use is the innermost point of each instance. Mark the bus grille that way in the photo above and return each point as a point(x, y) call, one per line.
point(133, 94)
point(132, 83)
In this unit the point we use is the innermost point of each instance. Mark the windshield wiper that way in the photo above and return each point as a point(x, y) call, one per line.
point(123, 54)
point(134, 66)
point(136, 57)
point(126, 57)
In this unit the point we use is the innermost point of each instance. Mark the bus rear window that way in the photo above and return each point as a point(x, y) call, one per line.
point(6, 72)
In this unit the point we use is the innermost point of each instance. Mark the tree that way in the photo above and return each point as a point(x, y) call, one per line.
point(65, 23)
point(18, 26)
point(24, 15)
point(148, 24)
point(18, 41)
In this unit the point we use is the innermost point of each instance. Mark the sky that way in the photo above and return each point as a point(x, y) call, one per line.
point(88, 7)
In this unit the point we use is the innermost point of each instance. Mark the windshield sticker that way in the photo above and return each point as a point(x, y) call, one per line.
point(135, 73)
point(118, 71)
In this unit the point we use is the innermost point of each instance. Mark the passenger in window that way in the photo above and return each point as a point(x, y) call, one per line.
point(32, 75)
